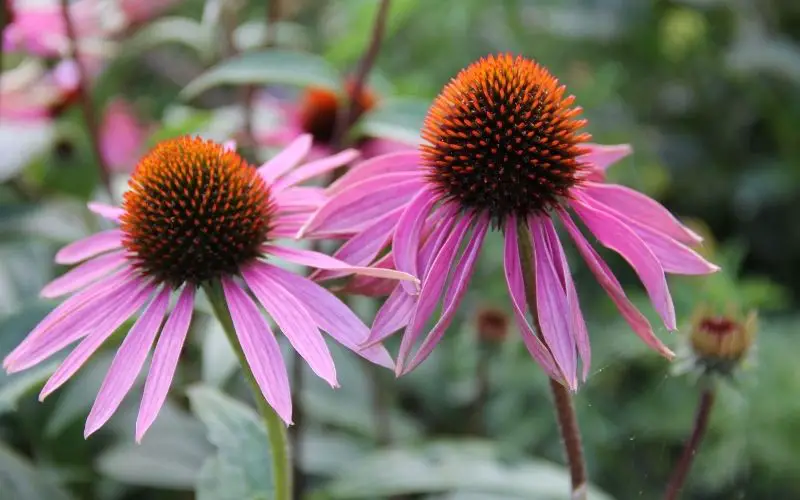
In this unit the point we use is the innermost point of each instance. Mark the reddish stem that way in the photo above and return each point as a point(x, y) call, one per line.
point(681, 471)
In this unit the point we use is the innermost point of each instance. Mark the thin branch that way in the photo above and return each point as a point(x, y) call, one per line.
point(85, 99)
point(681, 471)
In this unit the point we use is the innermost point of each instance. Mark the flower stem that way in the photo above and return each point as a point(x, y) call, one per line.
point(684, 464)
point(562, 399)
point(276, 430)
point(83, 93)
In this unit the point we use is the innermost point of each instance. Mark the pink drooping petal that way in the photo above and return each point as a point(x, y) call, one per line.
point(516, 290)
point(431, 292)
point(578, 324)
point(294, 321)
point(616, 235)
point(608, 281)
point(408, 234)
point(100, 333)
point(400, 162)
point(394, 314)
point(438, 227)
point(71, 320)
point(106, 211)
point(675, 257)
point(329, 313)
point(287, 225)
point(286, 159)
point(89, 247)
point(551, 306)
point(318, 260)
point(372, 148)
point(361, 204)
point(370, 286)
point(315, 168)
point(600, 157)
point(127, 362)
point(261, 350)
point(165, 361)
point(363, 248)
point(122, 137)
point(455, 293)
point(641, 208)
point(89, 271)
point(299, 198)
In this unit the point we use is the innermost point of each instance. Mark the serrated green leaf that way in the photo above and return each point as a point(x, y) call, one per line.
point(299, 69)
point(396, 119)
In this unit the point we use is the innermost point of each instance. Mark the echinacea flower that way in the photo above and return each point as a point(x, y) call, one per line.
point(719, 343)
point(122, 136)
point(316, 112)
point(196, 214)
point(504, 148)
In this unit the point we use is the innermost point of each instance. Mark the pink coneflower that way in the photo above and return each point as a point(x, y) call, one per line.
point(196, 214)
point(504, 149)
point(316, 112)
point(122, 136)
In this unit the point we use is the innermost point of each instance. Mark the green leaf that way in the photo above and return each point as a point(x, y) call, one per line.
point(21, 480)
point(242, 468)
point(449, 466)
point(270, 66)
point(396, 119)
point(168, 30)
point(15, 387)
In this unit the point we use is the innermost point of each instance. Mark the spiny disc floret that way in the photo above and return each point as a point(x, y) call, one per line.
point(194, 212)
point(503, 138)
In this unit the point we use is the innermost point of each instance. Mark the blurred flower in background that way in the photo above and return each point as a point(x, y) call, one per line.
point(720, 342)
point(122, 136)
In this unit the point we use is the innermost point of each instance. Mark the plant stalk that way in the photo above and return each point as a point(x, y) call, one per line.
point(681, 471)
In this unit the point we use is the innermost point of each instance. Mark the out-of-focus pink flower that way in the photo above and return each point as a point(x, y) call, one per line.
point(122, 136)
point(29, 93)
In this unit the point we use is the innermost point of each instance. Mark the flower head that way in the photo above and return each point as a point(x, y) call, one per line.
point(720, 342)
point(504, 147)
point(197, 214)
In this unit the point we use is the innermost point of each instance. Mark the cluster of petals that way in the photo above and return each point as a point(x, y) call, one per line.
point(389, 202)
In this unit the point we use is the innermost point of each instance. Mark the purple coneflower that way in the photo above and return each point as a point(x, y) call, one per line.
point(196, 214)
point(503, 148)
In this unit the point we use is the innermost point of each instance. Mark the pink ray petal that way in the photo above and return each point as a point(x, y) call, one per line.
point(106, 211)
point(286, 159)
point(578, 324)
point(127, 362)
point(261, 350)
point(516, 290)
point(229, 145)
point(431, 293)
point(294, 321)
point(552, 307)
point(675, 257)
point(438, 228)
point(408, 234)
point(615, 235)
point(89, 271)
point(165, 361)
point(122, 137)
point(600, 157)
point(89, 247)
point(300, 198)
point(315, 168)
point(455, 293)
point(329, 313)
point(318, 260)
point(636, 206)
point(608, 281)
point(370, 286)
point(405, 161)
point(100, 333)
point(394, 314)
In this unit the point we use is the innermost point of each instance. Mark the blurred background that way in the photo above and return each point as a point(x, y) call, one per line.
point(706, 91)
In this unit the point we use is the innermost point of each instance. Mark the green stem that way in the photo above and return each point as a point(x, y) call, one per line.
point(562, 399)
point(276, 430)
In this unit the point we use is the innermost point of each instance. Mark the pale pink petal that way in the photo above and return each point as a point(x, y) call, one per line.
point(432, 287)
point(286, 159)
point(294, 321)
point(438, 227)
point(100, 333)
point(641, 208)
point(318, 260)
point(675, 257)
point(127, 362)
point(408, 234)
point(516, 290)
point(300, 198)
point(122, 137)
point(229, 145)
point(394, 314)
point(89, 271)
point(90, 246)
point(361, 204)
point(600, 156)
point(329, 313)
point(261, 350)
point(315, 168)
point(405, 161)
point(165, 361)
point(615, 235)
point(106, 211)
point(371, 286)
point(578, 324)
point(287, 225)
point(551, 306)
point(455, 293)
point(609, 282)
